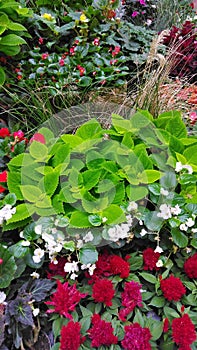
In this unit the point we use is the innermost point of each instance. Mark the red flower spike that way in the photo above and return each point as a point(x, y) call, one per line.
point(101, 333)
point(190, 266)
point(71, 338)
point(103, 292)
point(4, 132)
point(183, 332)
point(57, 269)
point(38, 137)
point(172, 288)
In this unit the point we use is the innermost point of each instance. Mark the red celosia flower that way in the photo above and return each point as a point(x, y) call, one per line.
point(101, 333)
point(3, 178)
point(150, 259)
point(38, 137)
point(183, 331)
point(190, 266)
point(103, 292)
point(172, 288)
point(131, 297)
point(65, 299)
point(71, 338)
point(119, 266)
point(166, 325)
point(57, 269)
point(4, 132)
point(136, 338)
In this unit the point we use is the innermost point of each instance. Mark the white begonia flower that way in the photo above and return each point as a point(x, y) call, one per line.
point(141, 222)
point(21, 234)
point(129, 220)
point(148, 22)
point(179, 167)
point(132, 206)
point(91, 269)
point(35, 275)
point(38, 255)
point(158, 250)
point(188, 250)
point(79, 243)
point(104, 219)
point(176, 210)
point(88, 237)
point(73, 276)
point(118, 232)
point(190, 222)
point(36, 312)
point(71, 267)
point(2, 297)
point(6, 213)
point(189, 168)
point(38, 229)
point(25, 243)
point(164, 192)
point(53, 259)
point(194, 230)
point(159, 263)
point(143, 232)
point(165, 212)
point(183, 227)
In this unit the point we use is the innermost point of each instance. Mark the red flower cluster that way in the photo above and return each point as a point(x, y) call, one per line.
point(3, 178)
point(150, 259)
point(101, 333)
point(103, 292)
point(172, 288)
point(71, 338)
point(131, 297)
point(166, 325)
point(4, 132)
point(65, 299)
point(183, 332)
point(116, 51)
point(136, 338)
point(108, 265)
point(57, 269)
point(81, 70)
point(190, 266)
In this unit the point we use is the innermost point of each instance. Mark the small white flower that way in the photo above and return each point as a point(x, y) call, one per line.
point(183, 227)
point(104, 219)
point(38, 255)
point(189, 168)
point(129, 220)
point(79, 244)
point(143, 232)
point(73, 276)
point(71, 267)
point(54, 230)
point(132, 206)
point(88, 237)
point(25, 243)
point(36, 312)
point(2, 297)
point(190, 222)
point(165, 212)
point(159, 263)
point(164, 192)
point(91, 269)
point(38, 229)
point(35, 275)
point(141, 222)
point(158, 250)
point(148, 22)
point(194, 230)
point(176, 210)
point(188, 250)
point(179, 167)
point(21, 234)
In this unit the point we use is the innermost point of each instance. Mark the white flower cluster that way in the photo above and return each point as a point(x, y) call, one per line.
point(71, 268)
point(118, 232)
point(166, 211)
point(6, 213)
point(180, 166)
point(87, 238)
point(189, 223)
point(2, 298)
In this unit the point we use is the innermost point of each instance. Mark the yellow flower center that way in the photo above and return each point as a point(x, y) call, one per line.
point(47, 16)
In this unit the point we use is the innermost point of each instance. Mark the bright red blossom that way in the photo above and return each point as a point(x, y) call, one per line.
point(38, 137)
point(4, 132)
point(136, 338)
point(44, 56)
point(19, 135)
point(3, 178)
point(71, 338)
point(118, 266)
point(65, 299)
point(57, 269)
point(101, 333)
point(131, 297)
point(103, 292)
point(172, 288)
point(190, 266)
point(166, 325)
point(150, 259)
point(183, 332)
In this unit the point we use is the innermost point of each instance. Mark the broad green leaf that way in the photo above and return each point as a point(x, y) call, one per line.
point(30, 193)
point(114, 214)
point(90, 178)
point(170, 313)
point(85, 81)
point(94, 160)
point(89, 130)
point(38, 151)
point(88, 254)
point(121, 124)
point(139, 120)
point(149, 176)
point(51, 181)
point(152, 221)
point(157, 301)
point(7, 268)
point(23, 211)
point(79, 219)
point(16, 26)
point(10, 198)
point(4, 20)
point(179, 238)
point(9, 50)
point(44, 202)
point(62, 155)
point(136, 193)
point(136, 263)
point(97, 205)
point(13, 183)
point(18, 250)
point(190, 154)
point(70, 245)
point(148, 277)
point(72, 140)
point(12, 40)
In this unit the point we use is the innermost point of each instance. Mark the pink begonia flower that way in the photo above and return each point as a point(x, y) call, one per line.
point(193, 118)
point(142, 2)
point(134, 14)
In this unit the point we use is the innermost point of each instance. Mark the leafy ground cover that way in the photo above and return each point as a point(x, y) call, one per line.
point(98, 176)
